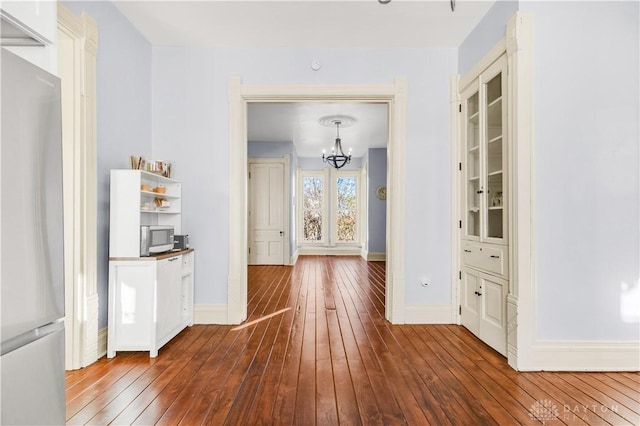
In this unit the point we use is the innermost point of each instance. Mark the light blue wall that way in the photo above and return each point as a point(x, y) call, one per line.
point(377, 213)
point(586, 168)
point(123, 112)
point(485, 35)
point(269, 149)
point(190, 87)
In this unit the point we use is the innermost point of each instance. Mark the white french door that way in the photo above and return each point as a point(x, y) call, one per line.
point(266, 214)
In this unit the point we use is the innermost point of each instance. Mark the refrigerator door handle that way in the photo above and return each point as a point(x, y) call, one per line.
point(24, 339)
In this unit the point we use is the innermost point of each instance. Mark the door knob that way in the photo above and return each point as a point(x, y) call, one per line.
point(281, 233)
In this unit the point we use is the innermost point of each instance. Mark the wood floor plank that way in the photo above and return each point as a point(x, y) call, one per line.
point(261, 411)
point(605, 403)
point(165, 383)
point(316, 349)
point(325, 395)
point(230, 394)
point(284, 408)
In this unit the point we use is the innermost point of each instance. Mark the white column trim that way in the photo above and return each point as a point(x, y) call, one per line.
point(239, 96)
point(456, 155)
point(519, 47)
point(80, 170)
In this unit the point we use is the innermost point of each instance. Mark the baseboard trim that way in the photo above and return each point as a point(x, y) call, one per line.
point(102, 342)
point(294, 258)
point(331, 251)
point(584, 356)
point(428, 314)
point(376, 257)
point(210, 314)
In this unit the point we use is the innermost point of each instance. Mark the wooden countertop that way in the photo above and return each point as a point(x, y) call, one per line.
point(159, 256)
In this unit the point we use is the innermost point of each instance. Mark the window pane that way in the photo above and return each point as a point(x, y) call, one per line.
point(346, 208)
point(312, 194)
point(312, 208)
point(346, 193)
point(346, 225)
point(312, 225)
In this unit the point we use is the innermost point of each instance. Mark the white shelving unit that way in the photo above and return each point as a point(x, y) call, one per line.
point(133, 206)
point(150, 298)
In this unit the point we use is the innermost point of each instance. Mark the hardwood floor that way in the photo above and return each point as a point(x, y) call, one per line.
point(321, 352)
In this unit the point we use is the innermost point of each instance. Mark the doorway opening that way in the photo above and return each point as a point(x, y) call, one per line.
point(240, 95)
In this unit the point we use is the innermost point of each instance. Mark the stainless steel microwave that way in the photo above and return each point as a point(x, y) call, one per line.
point(155, 239)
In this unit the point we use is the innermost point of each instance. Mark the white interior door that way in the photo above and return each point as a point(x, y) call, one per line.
point(266, 214)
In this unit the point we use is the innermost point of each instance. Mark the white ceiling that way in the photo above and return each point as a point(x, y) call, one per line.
point(305, 23)
point(308, 24)
point(299, 122)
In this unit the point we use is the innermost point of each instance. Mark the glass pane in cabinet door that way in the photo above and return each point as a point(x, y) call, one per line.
point(473, 166)
point(473, 208)
point(494, 159)
point(495, 205)
point(473, 122)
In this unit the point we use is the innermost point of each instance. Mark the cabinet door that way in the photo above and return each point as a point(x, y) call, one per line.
point(168, 296)
point(493, 322)
point(484, 156)
point(470, 301)
point(472, 187)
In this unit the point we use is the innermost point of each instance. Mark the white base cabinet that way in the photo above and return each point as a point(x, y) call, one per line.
point(150, 301)
point(483, 307)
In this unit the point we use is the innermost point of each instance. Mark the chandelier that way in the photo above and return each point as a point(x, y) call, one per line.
point(337, 159)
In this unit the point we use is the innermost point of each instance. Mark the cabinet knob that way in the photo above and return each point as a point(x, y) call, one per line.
point(494, 256)
point(480, 191)
point(467, 251)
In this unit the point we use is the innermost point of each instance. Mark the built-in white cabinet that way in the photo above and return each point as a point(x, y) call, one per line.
point(484, 199)
point(135, 201)
point(150, 301)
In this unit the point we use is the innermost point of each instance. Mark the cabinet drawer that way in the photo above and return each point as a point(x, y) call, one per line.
point(485, 257)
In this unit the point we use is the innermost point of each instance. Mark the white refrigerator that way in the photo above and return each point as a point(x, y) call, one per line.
point(32, 374)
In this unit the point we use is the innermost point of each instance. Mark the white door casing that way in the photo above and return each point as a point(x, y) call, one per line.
point(77, 51)
point(266, 214)
point(395, 95)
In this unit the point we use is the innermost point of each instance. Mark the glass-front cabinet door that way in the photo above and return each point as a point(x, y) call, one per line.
point(484, 162)
point(472, 185)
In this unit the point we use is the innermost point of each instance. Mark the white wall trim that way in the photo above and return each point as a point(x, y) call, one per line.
point(294, 257)
point(395, 95)
point(376, 257)
point(210, 314)
point(584, 356)
point(328, 251)
point(102, 342)
point(77, 50)
point(456, 155)
point(428, 314)
point(522, 282)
